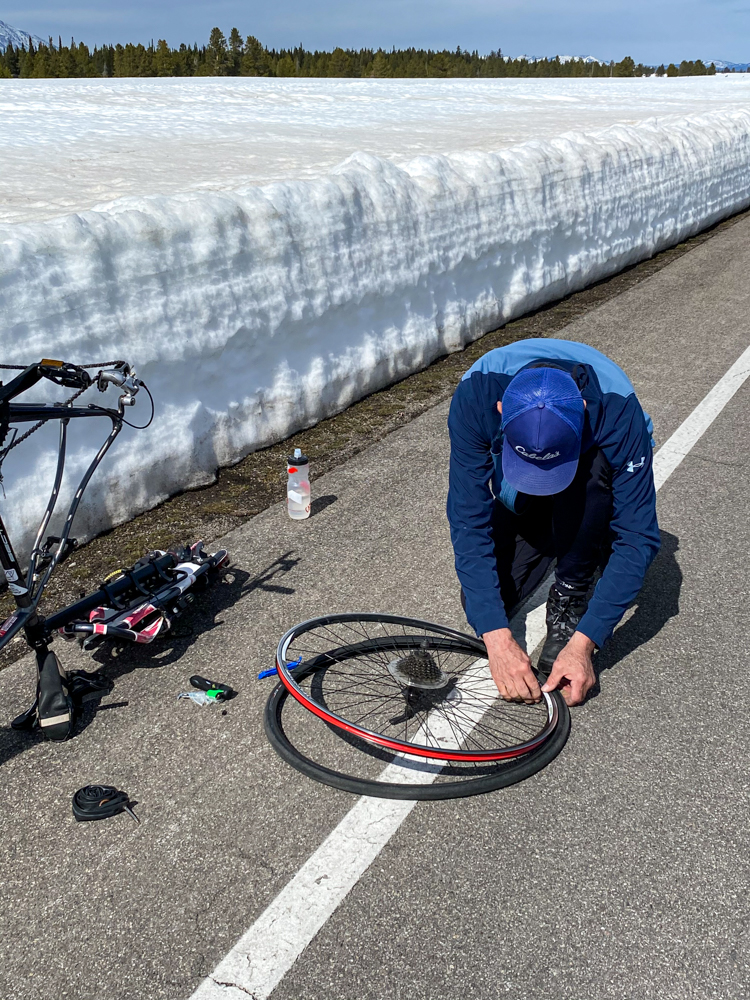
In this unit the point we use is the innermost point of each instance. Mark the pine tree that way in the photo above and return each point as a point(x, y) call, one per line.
point(26, 60)
point(625, 68)
point(340, 64)
point(42, 63)
point(254, 59)
point(285, 66)
point(11, 60)
point(217, 57)
point(163, 60)
point(235, 52)
point(84, 64)
point(380, 66)
point(66, 66)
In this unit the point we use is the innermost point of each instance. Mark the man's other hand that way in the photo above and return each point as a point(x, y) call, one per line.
point(573, 671)
point(510, 667)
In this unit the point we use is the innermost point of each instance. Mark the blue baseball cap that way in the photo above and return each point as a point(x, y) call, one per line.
point(543, 413)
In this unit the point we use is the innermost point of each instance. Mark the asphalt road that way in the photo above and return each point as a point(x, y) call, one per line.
point(620, 871)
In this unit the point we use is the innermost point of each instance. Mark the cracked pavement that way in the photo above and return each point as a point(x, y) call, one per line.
point(619, 871)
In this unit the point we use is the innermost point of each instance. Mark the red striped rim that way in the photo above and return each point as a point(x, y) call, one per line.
point(410, 748)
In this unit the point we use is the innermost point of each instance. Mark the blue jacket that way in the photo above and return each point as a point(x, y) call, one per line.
point(614, 421)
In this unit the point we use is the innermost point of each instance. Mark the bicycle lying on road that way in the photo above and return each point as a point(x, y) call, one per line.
point(134, 604)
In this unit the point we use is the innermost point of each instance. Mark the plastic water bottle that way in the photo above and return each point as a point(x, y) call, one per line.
point(298, 486)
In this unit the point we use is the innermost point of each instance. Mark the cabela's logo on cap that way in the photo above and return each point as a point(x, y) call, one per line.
point(537, 458)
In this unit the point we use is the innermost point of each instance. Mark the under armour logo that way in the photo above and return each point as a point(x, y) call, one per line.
point(632, 466)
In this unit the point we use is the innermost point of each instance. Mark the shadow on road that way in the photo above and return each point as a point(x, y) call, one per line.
point(118, 659)
point(658, 601)
point(320, 503)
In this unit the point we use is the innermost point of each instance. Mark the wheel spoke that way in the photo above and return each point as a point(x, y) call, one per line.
point(355, 686)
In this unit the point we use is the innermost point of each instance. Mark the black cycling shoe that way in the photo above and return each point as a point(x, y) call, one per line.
point(564, 612)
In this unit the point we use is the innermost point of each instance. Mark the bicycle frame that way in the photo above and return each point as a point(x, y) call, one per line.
point(28, 588)
point(136, 605)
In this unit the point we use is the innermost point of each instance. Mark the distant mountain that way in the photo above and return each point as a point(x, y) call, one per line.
point(15, 37)
point(563, 59)
point(720, 65)
point(586, 59)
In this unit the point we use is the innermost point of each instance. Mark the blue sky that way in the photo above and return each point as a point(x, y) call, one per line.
point(649, 30)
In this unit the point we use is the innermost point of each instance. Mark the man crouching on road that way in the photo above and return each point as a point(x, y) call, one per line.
point(550, 460)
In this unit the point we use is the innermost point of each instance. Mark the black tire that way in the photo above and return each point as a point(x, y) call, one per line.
point(489, 778)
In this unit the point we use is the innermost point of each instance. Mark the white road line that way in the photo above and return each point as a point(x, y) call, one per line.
point(693, 428)
point(266, 952)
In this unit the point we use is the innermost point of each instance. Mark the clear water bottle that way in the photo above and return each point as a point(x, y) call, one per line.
point(298, 486)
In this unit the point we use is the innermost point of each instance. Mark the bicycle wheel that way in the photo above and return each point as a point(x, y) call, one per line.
point(410, 687)
point(362, 768)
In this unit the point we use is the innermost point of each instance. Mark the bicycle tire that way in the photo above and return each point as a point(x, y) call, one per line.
point(504, 773)
point(366, 667)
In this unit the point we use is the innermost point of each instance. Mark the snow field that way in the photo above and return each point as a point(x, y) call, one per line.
point(71, 145)
point(254, 313)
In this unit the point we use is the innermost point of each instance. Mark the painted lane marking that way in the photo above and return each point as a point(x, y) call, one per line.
point(266, 952)
point(693, 428)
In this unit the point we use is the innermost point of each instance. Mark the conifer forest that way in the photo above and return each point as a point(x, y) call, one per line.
point(246, 56)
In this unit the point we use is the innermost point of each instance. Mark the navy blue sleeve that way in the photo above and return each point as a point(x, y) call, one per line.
point(625, 440)
point(470, 504)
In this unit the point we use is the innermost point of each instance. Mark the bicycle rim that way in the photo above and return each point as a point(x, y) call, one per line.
point(410, 687)
point(333, 757)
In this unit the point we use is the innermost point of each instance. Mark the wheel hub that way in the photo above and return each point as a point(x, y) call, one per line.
point(418, 670)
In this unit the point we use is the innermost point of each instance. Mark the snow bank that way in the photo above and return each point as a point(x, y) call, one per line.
point(254, 313)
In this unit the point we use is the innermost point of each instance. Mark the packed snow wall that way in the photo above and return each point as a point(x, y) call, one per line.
point(254, 313)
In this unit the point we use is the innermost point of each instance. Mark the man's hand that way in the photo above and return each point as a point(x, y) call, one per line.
point(573, 671)
point(510, 667)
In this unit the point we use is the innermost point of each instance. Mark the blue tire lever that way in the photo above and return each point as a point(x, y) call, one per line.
point(270, 673)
